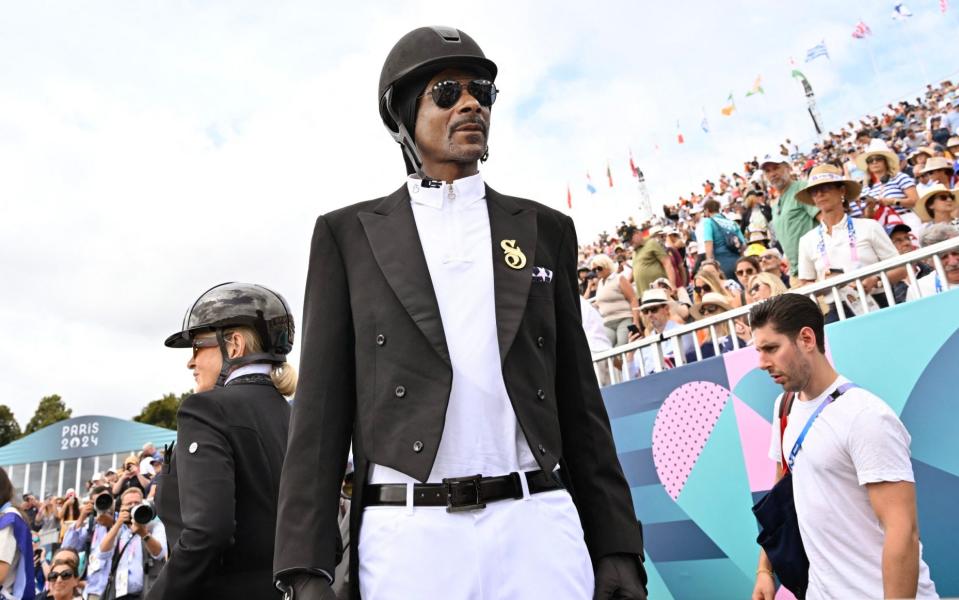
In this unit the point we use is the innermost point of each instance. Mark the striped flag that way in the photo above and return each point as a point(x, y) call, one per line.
point(632, 165)
point(569, 197)
point(861, 30)
point(943, 6)
point(589, 184)
point(817, 51)
point(704, 123)
point(900, 12)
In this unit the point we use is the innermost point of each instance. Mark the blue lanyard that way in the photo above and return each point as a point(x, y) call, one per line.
point(833, 396)
point(938, 284)
point(853, 252)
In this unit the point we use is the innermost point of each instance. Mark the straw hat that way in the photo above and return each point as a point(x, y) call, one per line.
point(931, 191)
point(710, 298)
point(935, 163)
point(878, 147)
point(654, 297)
point(952, 142)
point(758, 235)
point(911, 157)
point(825, 174)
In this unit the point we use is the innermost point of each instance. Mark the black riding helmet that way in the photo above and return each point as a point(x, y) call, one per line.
point(415, 58)
point(233, 305)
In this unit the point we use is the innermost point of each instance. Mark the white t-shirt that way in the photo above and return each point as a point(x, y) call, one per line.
point(856, 440)
point(872, 246)
point(593, 327)
point(9, 552)
point(927, 287)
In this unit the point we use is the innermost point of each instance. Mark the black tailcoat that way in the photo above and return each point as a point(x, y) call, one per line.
point(371, 325)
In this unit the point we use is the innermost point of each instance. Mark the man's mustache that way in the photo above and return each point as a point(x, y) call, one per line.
point(473, 120)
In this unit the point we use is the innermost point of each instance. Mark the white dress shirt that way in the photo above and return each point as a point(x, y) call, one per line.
point(481, 433)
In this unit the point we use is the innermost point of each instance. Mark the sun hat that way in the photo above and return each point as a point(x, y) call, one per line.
point(952, 142)
point(826, 174)
point(878, 147)
point(911, 157)
point(659, 280)
point(921, 207)
point(710, 298)
point(655, 230)
point(654, 297)
point(758, 235)
point(935, 163)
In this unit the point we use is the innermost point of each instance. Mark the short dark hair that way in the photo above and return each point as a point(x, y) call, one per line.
point(6, 487)
point(751, 260)
point(788, 314)
point(711, 205)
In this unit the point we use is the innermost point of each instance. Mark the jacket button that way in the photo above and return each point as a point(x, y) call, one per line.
point(541, 394)
point(381, 340)
point(400, 391)
point(417, 446)
point(540, 341)
point(542, 449)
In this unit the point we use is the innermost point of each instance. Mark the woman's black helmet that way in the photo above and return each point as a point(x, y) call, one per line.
point(416, 57)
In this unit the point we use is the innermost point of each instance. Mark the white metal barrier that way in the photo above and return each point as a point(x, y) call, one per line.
point(612, 366)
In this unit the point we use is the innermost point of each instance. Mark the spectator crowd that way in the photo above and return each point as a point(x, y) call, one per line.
point(866, 193)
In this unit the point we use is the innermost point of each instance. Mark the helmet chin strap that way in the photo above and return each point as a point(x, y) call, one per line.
point(226, 361)
point(229, 364)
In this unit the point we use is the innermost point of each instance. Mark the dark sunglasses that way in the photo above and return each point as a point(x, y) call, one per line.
point(873, 159)
point(54, 575)
point(943, 197)
point(447, 93)
point(199, 343)
point(700, 289)
point(709, 309)
point(745, 272)
point(649, 310)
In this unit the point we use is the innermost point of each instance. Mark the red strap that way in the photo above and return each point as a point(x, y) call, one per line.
point(784, 408)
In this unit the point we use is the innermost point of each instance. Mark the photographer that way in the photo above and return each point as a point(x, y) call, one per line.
point(137, 543)
point(88, 531)
point(131, 477)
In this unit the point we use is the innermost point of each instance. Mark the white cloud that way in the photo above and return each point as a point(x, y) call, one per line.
point(151, 151)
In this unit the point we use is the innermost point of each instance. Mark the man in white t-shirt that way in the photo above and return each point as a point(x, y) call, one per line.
point(853, 484)
point(933, 283)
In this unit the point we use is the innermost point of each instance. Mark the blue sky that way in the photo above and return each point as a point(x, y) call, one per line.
point(153, 149)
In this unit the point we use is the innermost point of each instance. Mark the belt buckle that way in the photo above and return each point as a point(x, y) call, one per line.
point(456, 486)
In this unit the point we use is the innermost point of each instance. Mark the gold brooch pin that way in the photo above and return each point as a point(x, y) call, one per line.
point(515, 259)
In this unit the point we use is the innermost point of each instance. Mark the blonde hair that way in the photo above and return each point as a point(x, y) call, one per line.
point(605, 262)
point(776, 285)
point(284, 375)
point(715, 283)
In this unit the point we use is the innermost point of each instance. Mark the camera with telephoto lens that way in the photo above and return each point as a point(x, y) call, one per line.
point(103, 503)
point(143, 513)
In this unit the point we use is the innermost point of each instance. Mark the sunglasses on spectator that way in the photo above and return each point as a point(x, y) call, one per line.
point(767, 257)
point(66, 574)
point(744, 272)
point(874, 159)
point(651, 309)
point(709, 309)
point(699, 289)
point(447, 93)
point(945, 197)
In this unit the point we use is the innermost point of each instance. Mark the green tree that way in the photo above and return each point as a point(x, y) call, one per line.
point(162, 412)
point(50, 410)
point(9, 428)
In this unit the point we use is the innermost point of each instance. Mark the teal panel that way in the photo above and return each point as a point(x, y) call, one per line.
point(716, 579)
point(653, 505)
point(759, 392)
point(863, 349)
point(655, 586)
point(84, 436)
point(634, 432)
point(717, 495)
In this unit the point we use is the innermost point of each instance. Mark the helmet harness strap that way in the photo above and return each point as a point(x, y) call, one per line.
point(404, 137)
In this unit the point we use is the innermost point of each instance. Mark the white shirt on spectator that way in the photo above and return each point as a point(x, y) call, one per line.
point(648, 353)
point(593, 327)
point(481, 433)
point(855, 441)
point(9, 552)
point(927, 287)
point(701, 236)
point(872, 246)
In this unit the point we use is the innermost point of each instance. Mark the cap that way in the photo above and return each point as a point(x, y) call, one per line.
point(774, 158)
point(897, 228)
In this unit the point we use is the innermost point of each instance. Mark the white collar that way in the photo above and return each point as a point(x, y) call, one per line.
point(465, 191)
point(262, 368)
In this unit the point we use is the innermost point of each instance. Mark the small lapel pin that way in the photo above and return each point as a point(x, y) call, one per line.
point(515, 259)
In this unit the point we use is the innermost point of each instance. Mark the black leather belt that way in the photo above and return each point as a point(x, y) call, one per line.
point(462, 493)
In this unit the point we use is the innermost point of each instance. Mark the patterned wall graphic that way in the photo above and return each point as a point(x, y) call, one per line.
point(693, 443)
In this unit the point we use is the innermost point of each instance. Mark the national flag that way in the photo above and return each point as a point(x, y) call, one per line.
point(817, 51)
point(729, 107)
point(861, 30)
point(900, 12)
point(589, 184)
point(609, 174)
point(569, 197)
point(757, 87)
point(798, 74)
point(943, 6)
point(679, 135)
point(704, 123)
point(632, 165)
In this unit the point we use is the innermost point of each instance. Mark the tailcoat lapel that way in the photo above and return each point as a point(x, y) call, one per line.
point(392, 234)
point(509, 221)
